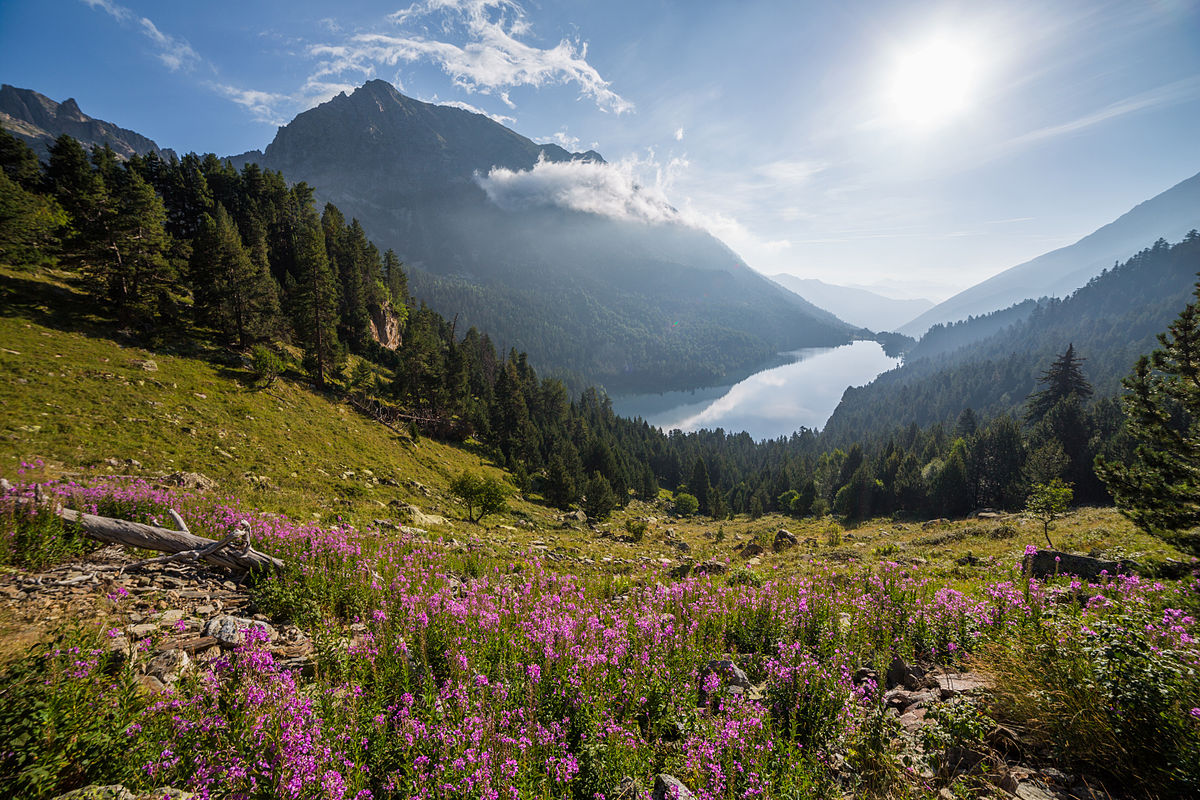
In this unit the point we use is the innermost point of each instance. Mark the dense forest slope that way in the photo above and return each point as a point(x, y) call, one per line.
point(617, 297)
point(1169, 216)
point(1111, 321)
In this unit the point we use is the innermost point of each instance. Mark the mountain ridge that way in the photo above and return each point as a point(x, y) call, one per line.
point(853, 304)
point(1168, 215)
point(37, 120)
point(673, 306)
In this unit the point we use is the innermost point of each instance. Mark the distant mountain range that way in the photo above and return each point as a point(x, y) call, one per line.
point(1111, 320)
point(38, 121)
point(854, 305)
point(535, 245)
point(1168, 216)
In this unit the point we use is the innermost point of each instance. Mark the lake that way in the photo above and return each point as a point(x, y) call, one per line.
point(768, 404)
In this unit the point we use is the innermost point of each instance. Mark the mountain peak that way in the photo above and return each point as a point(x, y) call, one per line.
point(38, 121)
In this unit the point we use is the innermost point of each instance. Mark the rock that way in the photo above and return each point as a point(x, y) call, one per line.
point(231, 631)
point(956, 683)
point(956, 760)
point(934, 523)
point(969, 560)
point(668, 787)
point(900, 674)
point(751, 550)
point(419, 518)
point(864, 674)
point(577, 516)
point(681, 546)
point(190, 480)
point(783, 540)
point(913, 719)
point(681, 570)
point(143, 630)
point(114, 792)
point(725, 667)
point(149, 365)
point(711, 568)
point(1046, 563)
point(151, 684)
point(902, 699)
point(169, 665)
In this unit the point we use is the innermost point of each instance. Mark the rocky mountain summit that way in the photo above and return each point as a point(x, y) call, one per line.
point(38, 121)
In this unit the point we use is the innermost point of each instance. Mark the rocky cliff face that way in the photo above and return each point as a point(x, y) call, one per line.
point(385, 326)
point(38, 121)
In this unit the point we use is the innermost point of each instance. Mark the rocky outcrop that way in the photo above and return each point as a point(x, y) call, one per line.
point(385, 326)
point(1047, 563)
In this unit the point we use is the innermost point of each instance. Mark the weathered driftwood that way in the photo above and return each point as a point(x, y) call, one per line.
point(233, 552)
point(152, 537)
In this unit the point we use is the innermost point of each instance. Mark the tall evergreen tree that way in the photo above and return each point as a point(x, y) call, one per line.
point(238, 295)
point(1062, 379)
point(315, 298)
point(1160, 489)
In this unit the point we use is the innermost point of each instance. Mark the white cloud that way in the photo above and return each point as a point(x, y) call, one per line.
point(503, 120)
point(679, 134)
point(261, 105)
point(562, 139)
point(490, 60)
point(172, 51)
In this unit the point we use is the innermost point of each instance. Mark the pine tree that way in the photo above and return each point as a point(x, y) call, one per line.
point(238, 295)
point(315, 298)
point(1160, 489)
point(700, 486)
point(126, 249)
point(600, 500)
point(1063, 379)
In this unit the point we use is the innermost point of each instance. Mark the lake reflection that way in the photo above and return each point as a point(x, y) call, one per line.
point(769, 404)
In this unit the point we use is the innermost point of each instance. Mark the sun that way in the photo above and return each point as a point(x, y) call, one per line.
point(933, 82)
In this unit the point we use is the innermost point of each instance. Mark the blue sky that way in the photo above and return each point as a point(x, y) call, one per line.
point(921, 146)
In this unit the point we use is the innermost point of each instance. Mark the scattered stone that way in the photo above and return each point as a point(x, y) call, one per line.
point(935, 523)
point(1047, 563)
point(725, 667)
point(169, 665)
point(711, 568)
point(681, 570)
point(900, 674)
point(751, 550)
point(784, 539)
point(956, 683)
point(190, 480)
point(668, 787)
point(231, 631)
point(419, 518)
point(149, 365)
point(864, 674)
point(913, 719)
point(969, 560)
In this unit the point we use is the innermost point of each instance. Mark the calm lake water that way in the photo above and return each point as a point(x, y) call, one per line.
point(769, 404)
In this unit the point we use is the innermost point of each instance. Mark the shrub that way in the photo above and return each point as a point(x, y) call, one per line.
point(266, 364)
point(686, 505)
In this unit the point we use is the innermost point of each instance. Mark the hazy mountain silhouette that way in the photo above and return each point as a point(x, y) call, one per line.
point(856, 306)
point(631, 302)
point(1169, 216)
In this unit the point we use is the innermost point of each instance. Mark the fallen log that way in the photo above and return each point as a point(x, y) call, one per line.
point(178, 542)
point(164, 540)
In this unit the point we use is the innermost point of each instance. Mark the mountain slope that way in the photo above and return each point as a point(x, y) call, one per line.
point(856, 306)
point(1169, 216)
point(1111, 321)
point(621, 300)
point(38, 121)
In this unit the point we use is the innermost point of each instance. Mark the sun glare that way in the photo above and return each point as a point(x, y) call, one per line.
point(932, 83)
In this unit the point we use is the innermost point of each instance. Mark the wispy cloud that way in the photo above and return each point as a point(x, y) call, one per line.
point(562, 139)
point(172, 51)
point(679, 134)
point(1160, 97)
point(487, 56)
point(501, 118)
point(263, 106)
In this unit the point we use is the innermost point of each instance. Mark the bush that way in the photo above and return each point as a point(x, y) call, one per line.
point(266, 364)
point(636, 528)
point(686, 505)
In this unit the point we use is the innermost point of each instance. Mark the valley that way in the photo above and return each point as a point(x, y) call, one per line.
point(480, 400)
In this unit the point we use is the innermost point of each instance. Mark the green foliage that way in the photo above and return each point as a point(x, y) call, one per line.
point(483, 494)
point(266, 364)
point(636, 528)
point(64, 711)
point(1157, 489)
point(600, 500)
point(1048, 502)
point(36, 539)
point(686, 504)
point(1061, 380)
